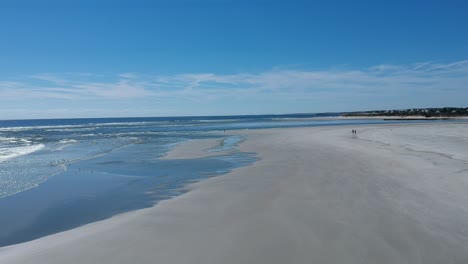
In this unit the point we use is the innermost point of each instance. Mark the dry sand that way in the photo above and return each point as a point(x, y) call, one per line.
point(318, 195)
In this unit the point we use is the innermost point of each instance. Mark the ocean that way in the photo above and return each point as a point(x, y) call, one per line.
point(59, 174)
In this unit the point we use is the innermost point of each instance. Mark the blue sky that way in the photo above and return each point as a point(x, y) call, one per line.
point(165, 58)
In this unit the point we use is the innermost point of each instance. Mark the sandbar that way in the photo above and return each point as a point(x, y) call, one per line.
point(193, 149)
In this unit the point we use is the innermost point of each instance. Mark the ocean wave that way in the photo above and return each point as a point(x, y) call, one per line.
point(89, 126)
point(86, 135)
point(67, 141)
point(8, 140)
point(24, 128)
point(218, 120)
point(14, 152)
point(73, 129)
point(114, 125)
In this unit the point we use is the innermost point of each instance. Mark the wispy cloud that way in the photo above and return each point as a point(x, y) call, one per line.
point(378, 80)
point(113, 90)
point(128, 75)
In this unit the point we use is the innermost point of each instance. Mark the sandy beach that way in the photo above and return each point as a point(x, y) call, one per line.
point(390, 194)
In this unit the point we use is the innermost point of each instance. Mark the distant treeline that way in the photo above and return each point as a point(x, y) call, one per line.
point(426, 112)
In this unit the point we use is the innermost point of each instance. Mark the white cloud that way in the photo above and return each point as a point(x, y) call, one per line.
point(380, 81)
point(116, 90)
point(128, 75)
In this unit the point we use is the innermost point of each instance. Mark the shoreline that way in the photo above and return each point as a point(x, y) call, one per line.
point(317, 194)
point(385, 118)
point(86, 193)
point(393, 118)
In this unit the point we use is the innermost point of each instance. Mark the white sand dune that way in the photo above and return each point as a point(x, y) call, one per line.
point(318, 195)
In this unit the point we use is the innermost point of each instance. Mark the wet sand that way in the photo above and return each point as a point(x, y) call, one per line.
point(318, 195)
point(195, 149)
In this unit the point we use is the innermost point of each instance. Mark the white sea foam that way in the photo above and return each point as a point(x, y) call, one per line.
point(86, 135)
point(68, 141)
point(217, 120)
point(88, 126)
point(36, 127)
point(25, 140)
point(8, 140)
point(7, 153)
point(73, 129)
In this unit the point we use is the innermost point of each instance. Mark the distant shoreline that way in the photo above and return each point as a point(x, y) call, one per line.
point(436, 113)
point(403, 117)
